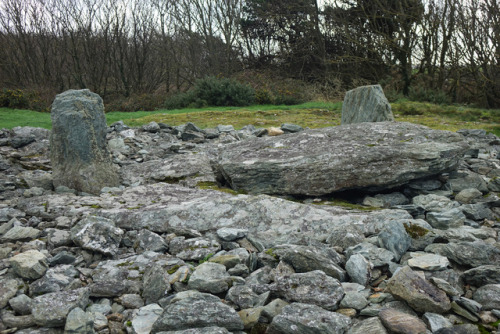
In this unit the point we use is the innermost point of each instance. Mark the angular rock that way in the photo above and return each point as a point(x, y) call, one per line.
point(482, 275)
point(386, 200)
point(446, 219)
point(19, 233)
point(322, 161)
point(156, 282)
point(420, 294)
point(97, 234)
point(477, 211)
point(427, 261)
point(243, 296)
point(21, 304)
point(434, 203)
point(459, 329)
point(193, 249)
point(370, 325)
point(143, 321)
point(377, 256)
point(355, 300)
point(204, 330)
point(488, 296)
point(51, 309)
point(308, 258)
point(17, 322)
point(131, 301)
point(467, 196)
point(400, 322)
point(461, 180)
point(149, 241)
point(366, 104)
point(78, 147)
point(472, 254)
point(314, 287)
point(463, 312)
point(37, 179)
point(436, 321)
point(151, 127)
point(8, 289)
point(29, 265)
point(197, 310)
point(55, 279)
point(231, 234)
point(209, 277)
point(359, 269)
point(345, 236)
point(298, 318)
point(57, 238)
point(79, 322)
point(395, 239)
point(291, 128)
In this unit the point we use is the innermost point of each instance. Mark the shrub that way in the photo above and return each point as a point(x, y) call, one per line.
point(274, 89)
point(215, 92)
point(142, 102)
point(21, 99)
point(263, 96)
point(428, 95)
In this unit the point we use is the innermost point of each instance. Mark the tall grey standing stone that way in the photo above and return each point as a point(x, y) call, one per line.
point(78, 148)
point(366, 104)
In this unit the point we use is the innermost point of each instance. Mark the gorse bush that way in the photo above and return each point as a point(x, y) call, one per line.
point(215, 92)
point(21, 99)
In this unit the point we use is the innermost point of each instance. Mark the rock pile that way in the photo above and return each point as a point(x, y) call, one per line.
point(172, 251)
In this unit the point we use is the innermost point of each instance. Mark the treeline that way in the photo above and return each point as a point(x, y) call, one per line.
point(442, 50)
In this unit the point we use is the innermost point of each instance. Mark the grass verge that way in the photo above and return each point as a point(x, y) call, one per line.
point(311, 114)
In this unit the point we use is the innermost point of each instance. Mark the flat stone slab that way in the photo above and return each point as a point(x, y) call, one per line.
point(323, 161)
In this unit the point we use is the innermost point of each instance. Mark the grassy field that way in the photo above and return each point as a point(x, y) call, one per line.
point(311, 114)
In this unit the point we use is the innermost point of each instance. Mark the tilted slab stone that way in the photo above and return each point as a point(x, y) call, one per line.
point(313, 287)
point(97, 234)
point(316, 162)
point(78, 147)
point(400, 322)
point(472, 254)
point(366, 104)
point(51, 309)
point(487, 274)
point(196, 311)
point(298, 318)
point(419, 293)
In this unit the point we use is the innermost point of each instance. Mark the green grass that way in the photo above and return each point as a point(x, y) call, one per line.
point(311, 114)
point(10, 118)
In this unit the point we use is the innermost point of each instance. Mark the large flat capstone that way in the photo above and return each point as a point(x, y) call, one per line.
point(354, 156)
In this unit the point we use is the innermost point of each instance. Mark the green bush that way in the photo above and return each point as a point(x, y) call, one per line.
point(263, 96)
point(214, 92)
point(21, 99)
point(428, 95)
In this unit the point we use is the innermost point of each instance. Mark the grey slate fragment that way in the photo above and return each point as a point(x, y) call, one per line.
point(197, 311)
point(51, 309)
point(300, 318)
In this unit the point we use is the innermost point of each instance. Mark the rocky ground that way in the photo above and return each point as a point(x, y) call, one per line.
point(172, 250)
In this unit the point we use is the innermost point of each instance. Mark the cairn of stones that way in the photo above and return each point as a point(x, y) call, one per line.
point(177, 229)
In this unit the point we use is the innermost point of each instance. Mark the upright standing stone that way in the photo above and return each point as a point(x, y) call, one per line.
point(366, 104)
point(78, 148)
